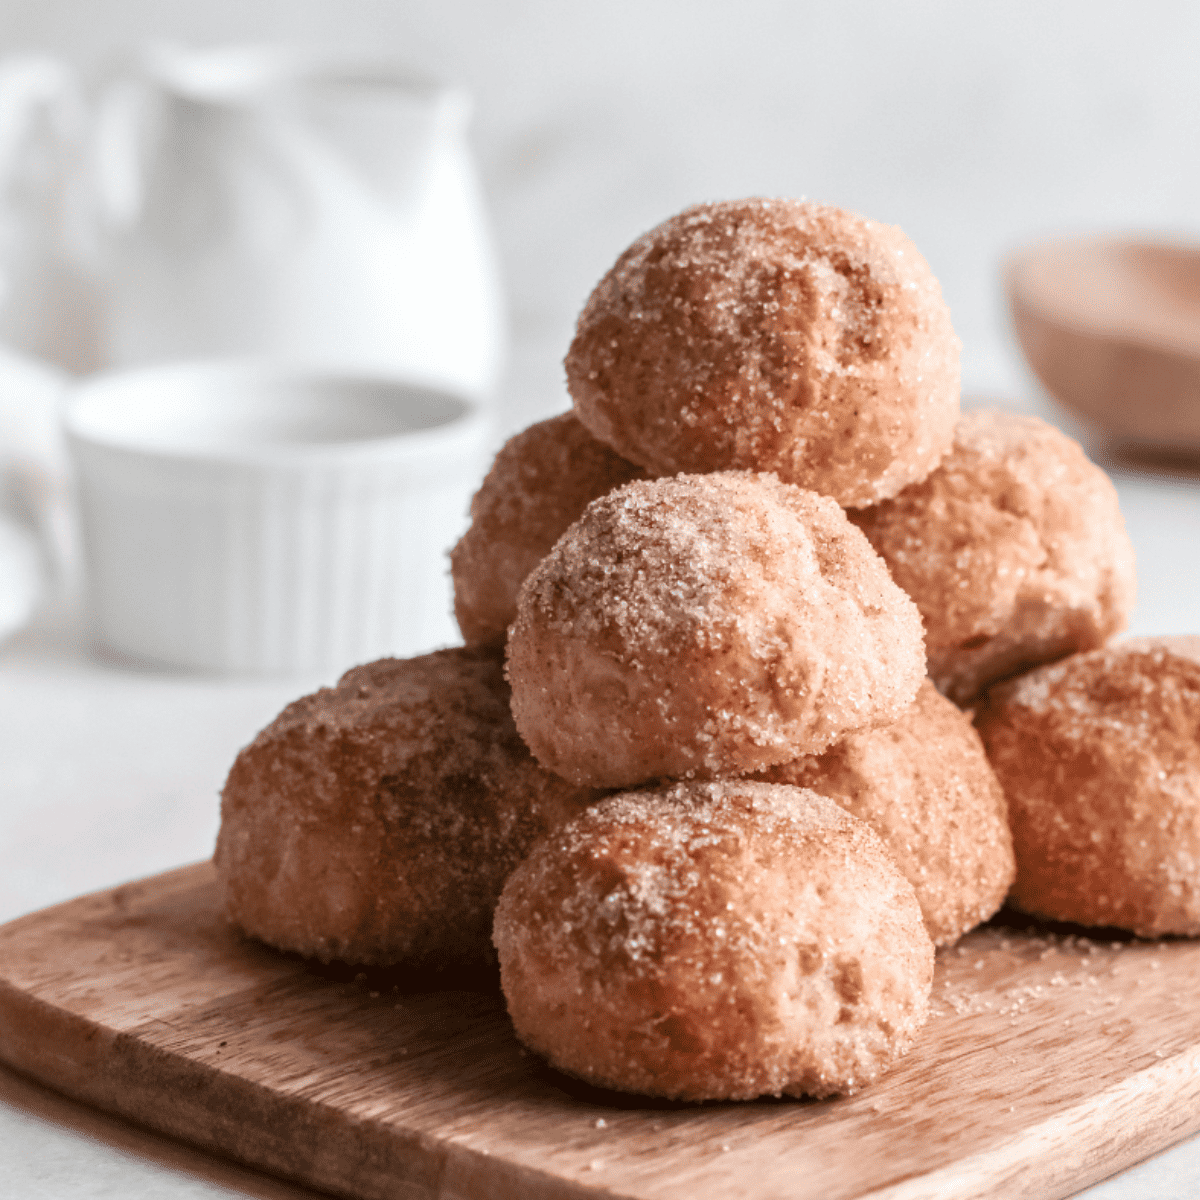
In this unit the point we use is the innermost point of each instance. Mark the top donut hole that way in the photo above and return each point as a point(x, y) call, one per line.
point(771, 335)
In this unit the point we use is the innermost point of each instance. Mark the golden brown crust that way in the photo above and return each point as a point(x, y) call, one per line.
point(541, 481)
point(925, 786)
point(376, 822)
point(706, 625)
point(715, 941)
point(1099, 758)
point(771, 335)
point(1014, 550)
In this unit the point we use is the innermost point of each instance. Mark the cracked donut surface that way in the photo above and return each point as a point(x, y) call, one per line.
point(1014, 550)
point(715, 941)
point(771, 335)
point(376, 821)
point(709, 625)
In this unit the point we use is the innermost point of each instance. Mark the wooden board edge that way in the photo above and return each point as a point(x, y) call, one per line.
point(229, 1116)
point(1141, 1116)
point(247, 1122)
point(32, 1099)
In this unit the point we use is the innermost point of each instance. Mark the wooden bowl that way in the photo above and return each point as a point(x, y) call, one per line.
point(1112, 329)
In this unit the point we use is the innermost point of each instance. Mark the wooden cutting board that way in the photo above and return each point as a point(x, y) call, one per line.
point(1050, 1062)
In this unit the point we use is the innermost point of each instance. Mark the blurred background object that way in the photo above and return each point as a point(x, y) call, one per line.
point(243, 517)
point(47, 298)
point(1111, 326)
point(317, 207)
point(37, 541)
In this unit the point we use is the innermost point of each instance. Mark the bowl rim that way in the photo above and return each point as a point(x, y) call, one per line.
point(445, 439)
point(1031, 299)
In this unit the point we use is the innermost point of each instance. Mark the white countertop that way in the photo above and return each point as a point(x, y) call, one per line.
point(110, 773)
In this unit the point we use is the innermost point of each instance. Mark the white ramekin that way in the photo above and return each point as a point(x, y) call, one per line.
point(246, 517)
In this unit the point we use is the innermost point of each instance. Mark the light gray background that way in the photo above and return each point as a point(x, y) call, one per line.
point(976, 127)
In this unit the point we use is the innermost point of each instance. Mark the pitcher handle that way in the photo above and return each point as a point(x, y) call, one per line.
point(124, 98)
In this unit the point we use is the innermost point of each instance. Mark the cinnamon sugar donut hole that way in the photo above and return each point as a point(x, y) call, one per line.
point(707, 625)
point(541, 481)
point(376, 821)
point(924, 784)
point(1014, 550)
point(771, 335)
point(715, 941)
point(1100, 760)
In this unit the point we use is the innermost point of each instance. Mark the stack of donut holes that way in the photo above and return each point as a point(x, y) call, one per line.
point(705, 778)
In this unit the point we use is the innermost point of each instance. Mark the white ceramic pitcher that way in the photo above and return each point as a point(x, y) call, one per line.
point(318, 209)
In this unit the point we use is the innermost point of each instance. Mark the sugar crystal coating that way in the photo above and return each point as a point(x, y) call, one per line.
point(771, 335)
point(542, 480)
point(715, 941)
point(925, 786)
point(1099, 758)
point(707, 626)
point(1014, 550)
point(376, 821)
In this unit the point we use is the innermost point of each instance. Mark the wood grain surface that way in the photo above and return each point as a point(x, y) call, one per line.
point(1051, 1061)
